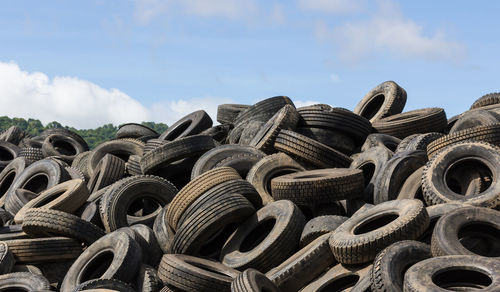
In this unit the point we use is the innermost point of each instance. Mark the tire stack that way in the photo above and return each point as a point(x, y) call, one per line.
point(275, 198)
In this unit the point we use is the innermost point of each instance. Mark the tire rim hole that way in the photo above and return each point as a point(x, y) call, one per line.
point(459, 179)
point(97, 266)
point(375, 223)
point(5, 155)
point(456, 279)
point(48, 199)
point(37, 183)
point(341, 284)
point(368, 171)
point(64, 148)
point(257, 235)
point(143, 206)
point(391, 146)
point(15, 289)
point(178, 130)
point(215, 243)
point(480, 238)
point(372, 108)
point(7, 182)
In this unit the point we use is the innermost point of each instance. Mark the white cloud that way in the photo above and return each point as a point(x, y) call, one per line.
point(301, 103)
point(389, 31)
point(330, 6)
point(83, 104)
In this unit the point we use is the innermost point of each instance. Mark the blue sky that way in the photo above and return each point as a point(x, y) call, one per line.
point(85, 63)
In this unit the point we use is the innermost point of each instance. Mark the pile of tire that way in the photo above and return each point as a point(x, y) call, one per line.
point(274, 198)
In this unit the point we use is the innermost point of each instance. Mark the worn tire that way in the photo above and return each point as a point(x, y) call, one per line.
point(191, 124)
point(252, 280)
point(318, 226)
point(386, 99)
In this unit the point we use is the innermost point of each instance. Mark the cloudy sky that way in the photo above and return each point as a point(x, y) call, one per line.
point(86, 63)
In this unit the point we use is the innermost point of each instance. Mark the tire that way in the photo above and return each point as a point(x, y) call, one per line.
point(67, 197)
point(269, 167)
point(263, 110)
point(211, 158)
point(377, 139)
point(486, 100)
point(421, 141)
point(412, 187)
point(23, 282)
point(489, 134)
point(318, 226)
point(339, 276)
point(195, 274)
point(8, 152)
point(37, 177)
point(163, 232)
point(122, 148)
point(251, 129)
point(109, 170)
point(335, 139)
point(192, 124)
point(174, 151)
point(475, 118)
point(391, 264)
point(468, 231)
point(245, 249)
point(194, 189)
point(286, 118)
point(81, 162)
point(317, 187)
point(7, 260)
point(133, 165)
point(204, 233)
point(64, 147)
point(148, 280)
point(310, 151)
point(10, 232)
point(252, 280)
point(43, 222)
point(337, 119)
point(9, 175)
point(458, 273)
point(361, 237)
point(31, 154)
point(90, 213)
point(476, 157)
point(95, 261)
point(120, 197)
point(397, 170)
point(43, 250)
point(226, 113)
point(219, 133)
point(405, 142)
point(242, 163)
point(103, 285)
point(133, 130)
point(413, 122)
point(154, 252)
point(303, 266)
point(386, 99)
point(372, 162)
point(64, 132)
point(75, 173)
point(435, 212)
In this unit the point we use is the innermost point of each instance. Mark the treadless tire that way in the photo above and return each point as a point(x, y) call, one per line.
point(266, 239)
point(269, 167)
point(367, 232)
point(114, 256)
point(391, 264)
point(317, 187)
point(310, 151)
point(252, 280)
point(413, 122)
point(479, 157)
point(303, 266)
point(386, 99)
point(468, 231)
point(192, 124)
point(195, 274)
point(453, 273)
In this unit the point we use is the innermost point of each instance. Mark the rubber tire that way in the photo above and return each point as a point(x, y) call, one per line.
point(191, 124)
point(148, 280)
point(393, 103)
point(9, 175)
point(351, 247)
point(435, 212)
point(377, 139)
point(272, 248)
point(250, 130)
point(109, 170)
point(423, 275)
point(339, 277)
point(226, 113)
point(7, 260)
point(195, 274)
point(62, 146)
point(486, 100)
point(448, 237)
point(9, 152)
point(335, 139)
point(262, 110)
point(25, 281)
point(133, 130)
point(103, 285)
point(318, 226)
point(391, 264)
point(252, 280)
point(43, 250)
point(475, 118)
point(127, 256)
point(269, 167)
point(121, 148)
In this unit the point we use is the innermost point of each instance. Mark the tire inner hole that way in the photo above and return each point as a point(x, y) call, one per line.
point(341, 284)
point(368, 171)
point(5, 155)
point(458, 177)
point(375, 223)
point(257, 235)
point(37, 183)
point(64, 147)
point(97, 266)
point(456, 279)
point(177, 131)
point(143, 206)
point(480, 238)
point(373, 106)
point(215, 243)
